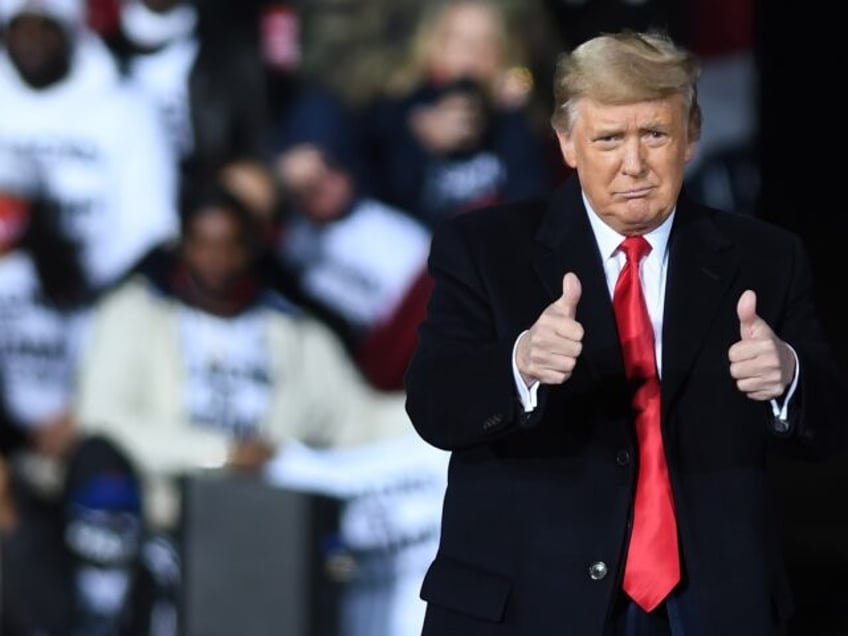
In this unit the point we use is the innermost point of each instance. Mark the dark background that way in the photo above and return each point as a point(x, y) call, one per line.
point(801, 141)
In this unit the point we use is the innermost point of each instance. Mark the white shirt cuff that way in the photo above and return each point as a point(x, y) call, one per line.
point(781, 412)
point(526, 394)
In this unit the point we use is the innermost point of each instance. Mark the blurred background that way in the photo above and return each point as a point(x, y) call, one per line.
point(214, 224)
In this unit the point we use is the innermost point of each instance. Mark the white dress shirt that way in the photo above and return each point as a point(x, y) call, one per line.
point(652, 273)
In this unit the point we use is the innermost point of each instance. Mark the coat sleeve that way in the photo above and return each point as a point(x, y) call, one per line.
point(460, 387)
point(817, 420)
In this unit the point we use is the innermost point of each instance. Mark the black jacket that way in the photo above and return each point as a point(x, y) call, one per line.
point(534, 502)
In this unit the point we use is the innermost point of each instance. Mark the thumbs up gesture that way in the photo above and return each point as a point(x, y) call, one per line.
point(548, 352)
point(760, 362)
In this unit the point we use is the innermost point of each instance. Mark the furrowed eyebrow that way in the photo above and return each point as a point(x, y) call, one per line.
point(606, 132)
point(655, 125)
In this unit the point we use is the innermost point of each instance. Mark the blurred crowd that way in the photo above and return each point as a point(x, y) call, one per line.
point(214, 228)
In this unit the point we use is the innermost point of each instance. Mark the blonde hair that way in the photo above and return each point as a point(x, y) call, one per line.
point(429, 24)
point(623, 68)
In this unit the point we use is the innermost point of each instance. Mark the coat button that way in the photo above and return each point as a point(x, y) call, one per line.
point(597, 570)
point(622, 457)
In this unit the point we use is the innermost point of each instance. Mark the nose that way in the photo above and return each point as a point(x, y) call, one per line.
point(633, 160)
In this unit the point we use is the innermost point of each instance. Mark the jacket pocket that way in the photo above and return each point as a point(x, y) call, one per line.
point(466, 589)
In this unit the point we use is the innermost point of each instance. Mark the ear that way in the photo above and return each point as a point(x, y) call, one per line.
point(566, 147)
point(691, 147)
point(692, 137)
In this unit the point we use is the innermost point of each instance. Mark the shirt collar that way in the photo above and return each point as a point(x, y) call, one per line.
point(608, 239)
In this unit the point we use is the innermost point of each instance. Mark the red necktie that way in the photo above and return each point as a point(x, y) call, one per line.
point(653, 562)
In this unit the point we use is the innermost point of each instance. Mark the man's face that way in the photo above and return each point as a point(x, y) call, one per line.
point(630, 159)
point(39, 48)
point(215, 252)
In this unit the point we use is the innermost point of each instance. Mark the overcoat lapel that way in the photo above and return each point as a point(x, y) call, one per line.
point(701, 268)
point(565, 243)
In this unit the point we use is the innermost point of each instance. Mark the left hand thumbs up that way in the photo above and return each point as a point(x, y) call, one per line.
point(760, 362)
point(746, 309)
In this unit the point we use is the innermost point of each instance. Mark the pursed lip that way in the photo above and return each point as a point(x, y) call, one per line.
point(636, 193)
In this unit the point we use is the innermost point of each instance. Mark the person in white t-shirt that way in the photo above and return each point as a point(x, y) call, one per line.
point(209, 90)
point(359, 262)
point(43, 324)
point(44, 312)
point(99, 143)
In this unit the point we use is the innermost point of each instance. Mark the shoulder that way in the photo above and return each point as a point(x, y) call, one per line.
point(754, 227)
point(297, 333)
point(287, 318)
point(135, 301)
point(127, 99)
point(755, 243)
point(493, 238)
point(752, 232)
point(507, 222)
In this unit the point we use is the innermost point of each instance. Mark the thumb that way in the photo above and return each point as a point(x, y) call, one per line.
point(571, 291)
point(746, 309)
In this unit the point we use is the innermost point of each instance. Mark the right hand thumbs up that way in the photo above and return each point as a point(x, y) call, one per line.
point(548, 352)
point(571, 292)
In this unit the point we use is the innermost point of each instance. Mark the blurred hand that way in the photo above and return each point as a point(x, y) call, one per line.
point(318, 187)
point(548, 352)
point(453, 123)
point(250, 454)
point(761, 363)
point(513, 88)
point(55, 437)
point(253, 181)
point(301, 166)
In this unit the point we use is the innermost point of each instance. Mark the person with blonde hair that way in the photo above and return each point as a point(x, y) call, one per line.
point(609, 369)
point(467, 38)
point(97, 141)
point(453, 131)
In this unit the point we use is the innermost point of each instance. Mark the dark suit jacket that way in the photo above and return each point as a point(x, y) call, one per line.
point(536, 514)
